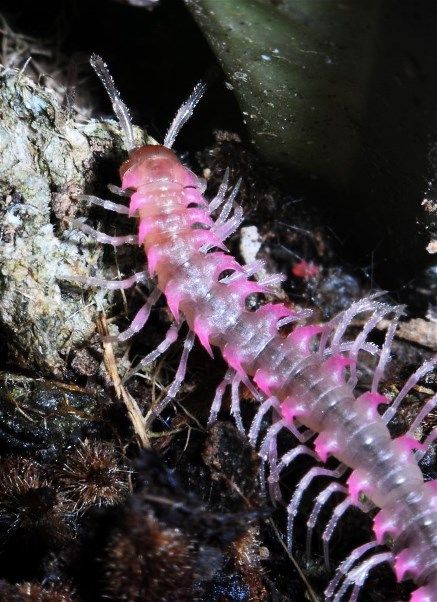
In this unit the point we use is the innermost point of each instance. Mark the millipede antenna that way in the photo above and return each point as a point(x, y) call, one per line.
point(120, 109)
point(184, 114)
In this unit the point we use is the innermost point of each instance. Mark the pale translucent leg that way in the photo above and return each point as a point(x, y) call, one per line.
point(280, 424)
point(343, 321)
point(330, 527)
point(414, 378)
point(360, 341)
point(252, 388)
point(386, 348)
point(227, 207)
point(427, 444)
point(301, 436)
point(176, 384)
point(346, 565)
point(235, 404)
point(278, 467)
point(170, 337)
point(300, 315)
point(139, 320)
point(95, 200)
point(117, 190)
point(272, 433)
point(333, 521)
point(359, 575)
point(231, 225)
point(272, 461)
point(272, 280)
point(110, 285)
point(427, 408)
point(220, 196)
point(321, 500)
point(304, 483)
point(370, 348)
point(256, 422)
point(218, 397)
point(115, 241)
point(247, 270)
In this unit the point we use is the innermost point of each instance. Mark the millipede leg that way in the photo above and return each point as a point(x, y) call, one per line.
point(220, 196)
point(321, 500)
point(170, 337)
point(359, 574)
point(411, 382)
point(119, 191)
point(110, 285)
point(109, 205)
point(427, 409)
point(272, 433)
point(218, 397)
point(384, 352)
point(176, 384)
point(346, 565)
point(341, 322)
point(304, 483)
point(256, 422)
point(115, 241)
point(235, 404)
point(330, 527)
point(139, 320)
point(426, 444)
point(333, 521)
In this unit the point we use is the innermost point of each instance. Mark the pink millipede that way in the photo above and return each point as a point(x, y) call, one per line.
point(306, 381)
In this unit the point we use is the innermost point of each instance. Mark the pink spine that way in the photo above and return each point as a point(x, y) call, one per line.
point(304, 372)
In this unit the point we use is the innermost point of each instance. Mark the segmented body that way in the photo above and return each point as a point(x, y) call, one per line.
point(306, 378)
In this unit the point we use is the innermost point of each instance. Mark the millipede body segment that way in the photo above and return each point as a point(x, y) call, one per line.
point(306, 382)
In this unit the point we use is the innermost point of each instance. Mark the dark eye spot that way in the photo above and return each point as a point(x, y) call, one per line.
point(254, 301)
point(194, 206)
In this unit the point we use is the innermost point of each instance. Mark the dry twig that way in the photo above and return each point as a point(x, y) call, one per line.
point(132, 407)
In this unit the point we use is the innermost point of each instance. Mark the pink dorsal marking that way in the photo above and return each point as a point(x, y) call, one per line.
point(137, 200)
point(225, 262)
point(230, 354)
point(432, 486)
point(302, 336)
point(278, 310)
point(383, 524)
point(246, 287)
point(207, 237)
point(423, 594)
point(325, 445)
point(357, 483)
point(197, 215)
point(144, 229)
point(152, 259)
point(131, 179)
point(202, 331)
point(265, 381)
point(405, 564)
point(335, 366)
point(291, 408)
point(173, 298)
point(370, 401)
point(192, 195)
point(406, 444)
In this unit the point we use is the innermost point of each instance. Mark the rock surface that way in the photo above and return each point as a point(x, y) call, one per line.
point(48, 157)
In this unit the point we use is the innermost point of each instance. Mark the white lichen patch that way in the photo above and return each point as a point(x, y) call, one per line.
point(43, 152)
